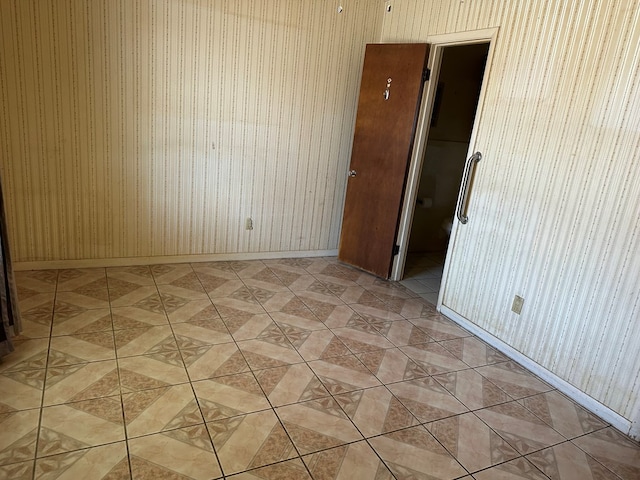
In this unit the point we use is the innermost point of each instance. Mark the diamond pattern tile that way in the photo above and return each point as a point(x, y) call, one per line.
point(356, 460)
point(274, 370)
point(317, 425)
point(250, 441)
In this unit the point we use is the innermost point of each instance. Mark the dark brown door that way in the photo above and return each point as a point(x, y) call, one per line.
point(390, 94)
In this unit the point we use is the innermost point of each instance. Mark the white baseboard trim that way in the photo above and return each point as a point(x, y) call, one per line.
point(591, 404)
point(165, 259)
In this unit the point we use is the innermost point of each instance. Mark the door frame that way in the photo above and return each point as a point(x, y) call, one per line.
point(438, 43)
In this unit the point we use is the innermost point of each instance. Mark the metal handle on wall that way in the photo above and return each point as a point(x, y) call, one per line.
point(464, 189)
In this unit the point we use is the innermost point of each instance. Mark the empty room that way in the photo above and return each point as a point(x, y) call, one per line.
point(329, 239)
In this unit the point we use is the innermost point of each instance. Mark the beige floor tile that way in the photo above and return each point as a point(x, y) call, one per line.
point(241, 302)
point(290, 384)
point(36, 323)
point(224, 286)
point(181, 282)
point(288, 470)
point(147, 340)
point(296, 282)
point(433, 358)
point(72, 383)
point(361, 341)
point(249, 326)
point(303, 319)
point(375, 411)
point(564, 415)
point(471, 442)
point(615, 451)
point(318, 290)
point(367, 324)
point(34, 303)
point(289, 265)
point(518, 426)
point(21, 390)
point(201, 332)
point(268, 352)
point(125, 295)
point(196, 310)
point(414, 453)
point(17, 471)
point(383, 311)
point(138, 274)
point(473, 351)
point(285, 301)
point(151, 371)
point(88, 297)
point(211, 361)
point(106, 462)
point(439, 328)
point(259, 274)
point(166, 274)
point(315, 344)
point(343, 374)
point(79, 425)
point(391, 365)
point(514, 379)
point(82, 321)
point(37, 280)
point(518, 469)
point(415, 307)
point(427, 399)
point(19, 435)
point(317, 425)
point(472, 389)
point(36, 319)
point(347, 462)
point(218, 284)
point(403, 332)
point(177, 454)
point(174, 296)
point(352, 293)
point(568, 462)
point(73, 278)
point(229, 396)
point(81, 348)
point(333, 316)
point(160, 409)
point(29, 354)
point(319, 299)
point(250, 441)
point(125, 318)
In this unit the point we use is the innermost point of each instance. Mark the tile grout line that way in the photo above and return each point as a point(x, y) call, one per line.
point(117, 359)
point(44, 383)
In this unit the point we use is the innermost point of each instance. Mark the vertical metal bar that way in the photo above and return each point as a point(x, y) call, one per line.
point(463, 195)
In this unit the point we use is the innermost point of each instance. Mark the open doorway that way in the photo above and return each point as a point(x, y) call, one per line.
point(458, 86)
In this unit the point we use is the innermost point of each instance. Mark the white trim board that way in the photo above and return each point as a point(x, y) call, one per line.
point(591, 404)
point(437, 44)
point(129, 261)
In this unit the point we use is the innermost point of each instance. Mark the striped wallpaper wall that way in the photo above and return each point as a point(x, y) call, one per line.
point(555, 208)
point(133, 128)
point(138, 128)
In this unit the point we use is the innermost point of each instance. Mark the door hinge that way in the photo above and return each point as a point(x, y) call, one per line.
point(426, 75)
point(396, 250)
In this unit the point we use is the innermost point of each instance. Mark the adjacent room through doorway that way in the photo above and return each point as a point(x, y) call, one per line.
point(458, 88)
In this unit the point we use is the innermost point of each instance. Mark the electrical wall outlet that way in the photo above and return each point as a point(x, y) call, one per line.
point(516, 306)
point(248, 224)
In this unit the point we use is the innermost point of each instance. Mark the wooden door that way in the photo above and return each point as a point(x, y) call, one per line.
point(388, 107)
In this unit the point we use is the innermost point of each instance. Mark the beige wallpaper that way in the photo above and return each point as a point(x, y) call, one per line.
point(555, 208)
point(138, 128)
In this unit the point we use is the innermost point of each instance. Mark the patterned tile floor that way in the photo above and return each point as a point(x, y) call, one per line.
point(279, 369)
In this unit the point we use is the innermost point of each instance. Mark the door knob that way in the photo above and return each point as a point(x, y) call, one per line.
point(352, 173)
